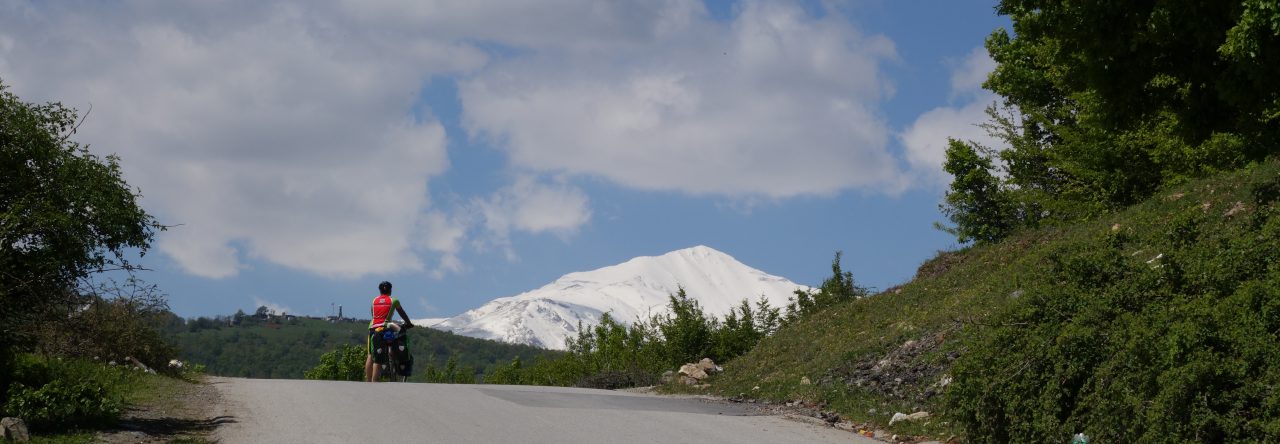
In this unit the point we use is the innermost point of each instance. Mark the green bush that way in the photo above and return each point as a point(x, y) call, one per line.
point(344, 364)
point(62, 403)
point(66, 393)
point(1164, 329)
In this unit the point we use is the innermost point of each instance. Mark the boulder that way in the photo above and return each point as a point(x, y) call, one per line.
point(693, 371)
point(804, 380)
point(668, 376)
point(14, 430)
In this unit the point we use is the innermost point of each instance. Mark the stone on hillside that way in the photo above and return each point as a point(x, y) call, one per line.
point(804, 380)
point(15, 430)
point(668, 376)
point(709, 366)
point(905, 417)
point(692, 371)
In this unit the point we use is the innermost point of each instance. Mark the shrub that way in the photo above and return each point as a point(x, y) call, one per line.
point(1166, 331)
point(66, 393)
point(116, 320)
point(344, 364)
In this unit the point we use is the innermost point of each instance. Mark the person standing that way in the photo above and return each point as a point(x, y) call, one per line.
point(382, 310)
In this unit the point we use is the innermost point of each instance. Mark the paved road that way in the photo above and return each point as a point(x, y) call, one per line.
point(283, 411)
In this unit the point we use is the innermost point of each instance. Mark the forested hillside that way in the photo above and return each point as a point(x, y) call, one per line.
point(287, 348)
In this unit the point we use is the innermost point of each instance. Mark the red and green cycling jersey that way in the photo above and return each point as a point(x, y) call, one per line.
point(383, 307)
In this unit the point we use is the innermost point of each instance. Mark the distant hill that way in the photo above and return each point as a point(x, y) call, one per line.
point(628, 291)
point(284, 348)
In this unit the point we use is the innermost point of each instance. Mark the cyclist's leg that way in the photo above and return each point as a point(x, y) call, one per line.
point(369, 375)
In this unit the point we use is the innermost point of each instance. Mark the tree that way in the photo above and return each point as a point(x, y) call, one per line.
point(1103, 103)
point(687, 331)
point(977, 202)
point(838, 288)
point(65, 213)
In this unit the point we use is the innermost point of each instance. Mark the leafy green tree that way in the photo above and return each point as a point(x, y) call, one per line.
point(977, 202)
point(767, 319)
point(65, 213)
point(1103, 103)
point(686, 330)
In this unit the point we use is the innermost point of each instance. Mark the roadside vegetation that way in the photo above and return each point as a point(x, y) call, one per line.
point(74, 343)
point(1120, 275)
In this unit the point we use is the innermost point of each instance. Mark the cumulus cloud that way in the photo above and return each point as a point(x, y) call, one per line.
point(271, 306)
point(775, 103)
point(925, 140)
point(283, 132)
point(264, 131)
point(533, 207)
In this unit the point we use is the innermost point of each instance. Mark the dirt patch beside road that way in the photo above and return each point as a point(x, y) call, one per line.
point(173, 411)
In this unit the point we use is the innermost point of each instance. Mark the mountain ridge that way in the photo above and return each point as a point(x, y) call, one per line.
point(632, 290)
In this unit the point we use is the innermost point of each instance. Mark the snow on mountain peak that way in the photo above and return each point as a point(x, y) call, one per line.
point(629, 291)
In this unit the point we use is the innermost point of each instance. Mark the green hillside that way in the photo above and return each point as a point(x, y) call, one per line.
point(1158, 323)
point(287, 349)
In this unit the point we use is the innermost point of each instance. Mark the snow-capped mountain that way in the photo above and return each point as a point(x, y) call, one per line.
point(632, 290)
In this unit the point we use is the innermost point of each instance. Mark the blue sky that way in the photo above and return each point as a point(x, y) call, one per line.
point(465, 151)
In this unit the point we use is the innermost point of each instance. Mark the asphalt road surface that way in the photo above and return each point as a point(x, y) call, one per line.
point(285, 411)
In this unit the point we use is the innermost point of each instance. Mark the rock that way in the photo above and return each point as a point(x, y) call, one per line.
point(668, 376)
point(755, 388)
point(688, 380)
point(709, 366)
point(805, 380)
point(15, 430)
point(692, 371)
point(829, 417)
point(905, 417)
point(898, 417)
point(1237, 208)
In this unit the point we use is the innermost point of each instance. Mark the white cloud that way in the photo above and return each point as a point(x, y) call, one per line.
point(775, 103)
point(267, 131)
point(282, 132)
point(969, 73)
point(271, 306)
point(532, 207)
point(444, 234)
point(925, 140)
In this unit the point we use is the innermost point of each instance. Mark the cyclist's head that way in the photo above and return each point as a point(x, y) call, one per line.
point(385, 287)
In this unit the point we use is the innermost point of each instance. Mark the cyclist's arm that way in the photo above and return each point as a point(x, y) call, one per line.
point(400, 309)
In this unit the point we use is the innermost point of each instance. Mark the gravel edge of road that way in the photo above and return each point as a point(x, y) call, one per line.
point(181, 411)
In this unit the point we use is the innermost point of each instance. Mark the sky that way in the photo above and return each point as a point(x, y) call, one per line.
point(303, 151)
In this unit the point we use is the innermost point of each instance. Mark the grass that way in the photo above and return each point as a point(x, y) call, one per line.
point(958, 298)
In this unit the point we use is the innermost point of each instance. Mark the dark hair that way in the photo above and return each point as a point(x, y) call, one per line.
point(385, 287)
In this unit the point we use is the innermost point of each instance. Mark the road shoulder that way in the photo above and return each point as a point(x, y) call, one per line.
point(172, 410)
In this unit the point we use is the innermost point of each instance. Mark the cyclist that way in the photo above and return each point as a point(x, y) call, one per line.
point(382, 312)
